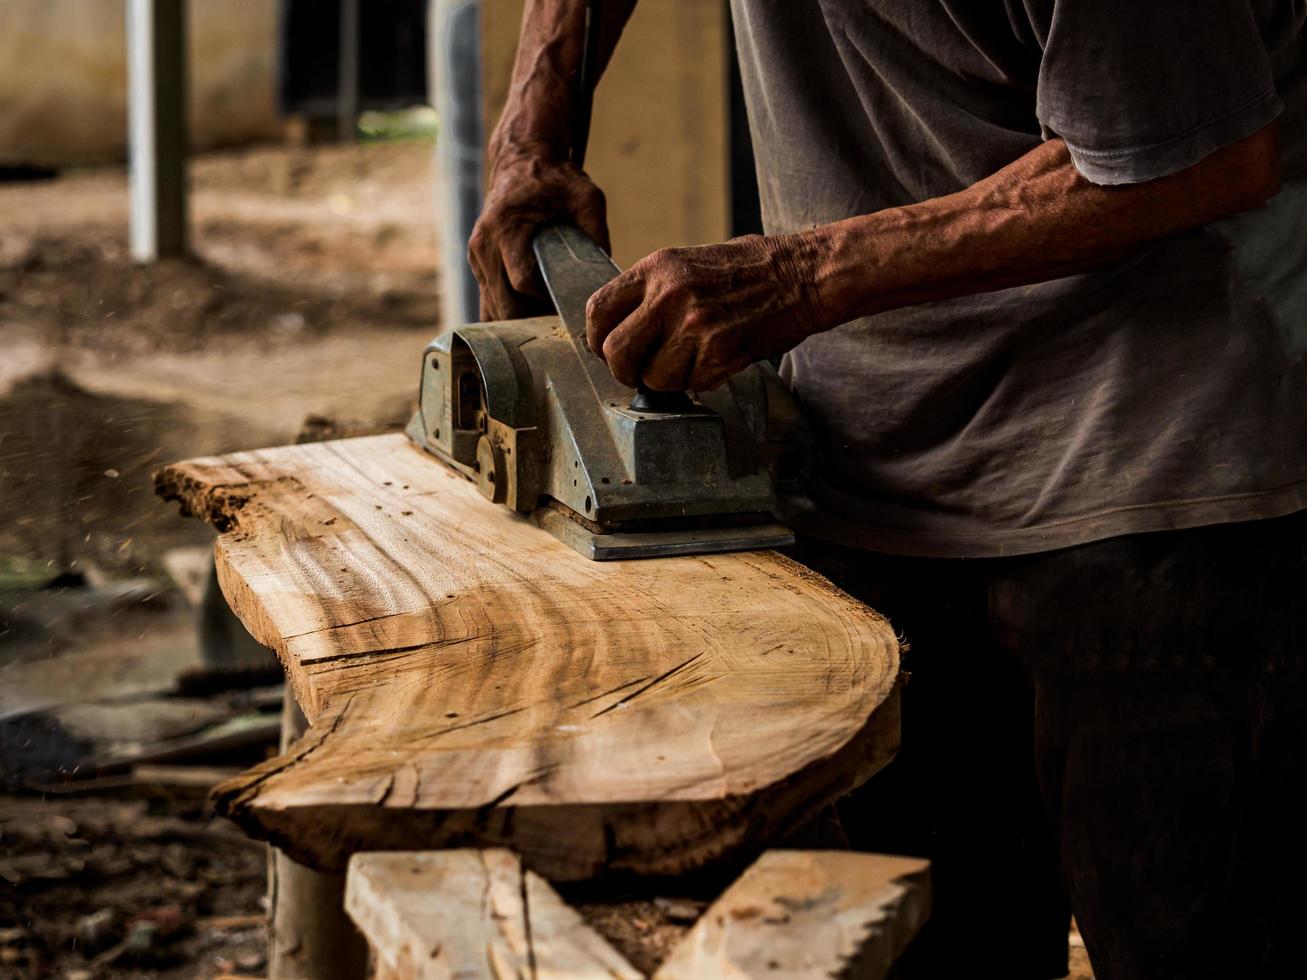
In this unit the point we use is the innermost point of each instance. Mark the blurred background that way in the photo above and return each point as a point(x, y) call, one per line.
point(224, 226)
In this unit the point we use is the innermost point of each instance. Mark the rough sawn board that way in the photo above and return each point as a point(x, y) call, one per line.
point(808, 914)
point(439, 915)
point(470, 681)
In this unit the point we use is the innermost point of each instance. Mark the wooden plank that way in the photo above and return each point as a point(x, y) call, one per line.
point(156, 82)
point(431, 915)
point(659, 140)
point(808, 914)
point(470, 680)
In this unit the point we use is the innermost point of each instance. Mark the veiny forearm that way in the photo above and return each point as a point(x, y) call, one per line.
point(537, 117)
point(1034, 220)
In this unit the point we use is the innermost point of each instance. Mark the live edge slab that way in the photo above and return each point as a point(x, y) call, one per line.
point(472, 682)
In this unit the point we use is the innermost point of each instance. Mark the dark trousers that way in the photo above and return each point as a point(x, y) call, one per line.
point(1118, 729)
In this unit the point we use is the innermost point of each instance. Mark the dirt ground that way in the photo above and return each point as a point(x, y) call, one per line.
point(310, 293)
point(127, 888)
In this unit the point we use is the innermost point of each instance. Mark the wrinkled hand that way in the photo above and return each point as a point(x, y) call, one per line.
point(688, 318)
point(525, 193)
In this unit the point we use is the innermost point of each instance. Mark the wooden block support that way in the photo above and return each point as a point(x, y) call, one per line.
point(468, 913)
point(808, 914)
point(793, 915)
point(471, 681)
point(309, 935)
point(156, 80)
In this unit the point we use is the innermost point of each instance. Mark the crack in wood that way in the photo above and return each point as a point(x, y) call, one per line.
point(238, 791)
point(483, 720)
point(604, 694)
point(665, 675)
point(371, 652)
point(435, 604)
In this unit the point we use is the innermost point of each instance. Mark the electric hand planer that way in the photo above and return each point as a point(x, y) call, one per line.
point(525, 410)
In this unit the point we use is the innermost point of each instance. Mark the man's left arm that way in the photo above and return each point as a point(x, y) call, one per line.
point(690, 317)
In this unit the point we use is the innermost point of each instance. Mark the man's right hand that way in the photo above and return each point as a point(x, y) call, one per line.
point(528, 191)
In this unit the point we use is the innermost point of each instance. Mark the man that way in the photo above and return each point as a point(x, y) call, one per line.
point(1038, 271)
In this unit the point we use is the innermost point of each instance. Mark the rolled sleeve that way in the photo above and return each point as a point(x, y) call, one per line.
point(1140, 89)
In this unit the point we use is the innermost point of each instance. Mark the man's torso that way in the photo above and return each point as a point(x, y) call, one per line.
point(1165, 390)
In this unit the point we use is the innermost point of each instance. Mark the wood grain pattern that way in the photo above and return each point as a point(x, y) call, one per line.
point(470, 681)
point(808, 914)
point(433, 915)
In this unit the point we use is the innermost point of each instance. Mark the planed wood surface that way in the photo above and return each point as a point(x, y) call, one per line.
point(801, 914)
point(433, 915)
point(471, 681)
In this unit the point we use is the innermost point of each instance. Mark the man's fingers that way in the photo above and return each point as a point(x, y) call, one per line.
point(610, 305)
point(483, 257)
point(671, 368)
point(591, 216)
point(505, 304)
point(519, 259)
point(498, 299)
point(629, 346)
point(476, 256)
point(485, 290)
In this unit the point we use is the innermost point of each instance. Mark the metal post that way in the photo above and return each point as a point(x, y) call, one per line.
point(156, 83)
point(454, 77)
point(347, 83)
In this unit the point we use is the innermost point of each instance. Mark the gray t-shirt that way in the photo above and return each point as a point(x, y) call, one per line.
point(1167, 390)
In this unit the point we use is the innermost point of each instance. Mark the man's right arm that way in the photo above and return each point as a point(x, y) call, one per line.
point(531, 180)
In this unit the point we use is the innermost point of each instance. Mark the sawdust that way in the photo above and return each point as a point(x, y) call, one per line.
point(640, 929)
point(79, 877)
point(313, 280)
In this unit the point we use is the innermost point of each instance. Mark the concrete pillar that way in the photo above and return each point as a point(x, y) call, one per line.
point(454, 73)
point(156, 110)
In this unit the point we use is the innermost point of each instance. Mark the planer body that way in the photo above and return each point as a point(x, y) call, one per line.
point(537, 421)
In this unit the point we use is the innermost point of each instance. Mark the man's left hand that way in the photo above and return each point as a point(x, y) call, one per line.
point(688, 318)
